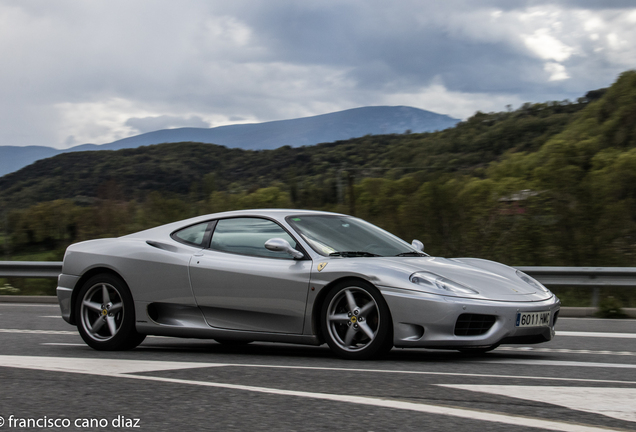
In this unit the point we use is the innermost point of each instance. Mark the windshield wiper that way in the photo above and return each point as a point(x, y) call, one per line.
point(352, 254)
point(412, 253)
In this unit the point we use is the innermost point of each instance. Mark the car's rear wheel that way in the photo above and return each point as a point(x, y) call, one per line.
point(356, 321)
point(106, 315)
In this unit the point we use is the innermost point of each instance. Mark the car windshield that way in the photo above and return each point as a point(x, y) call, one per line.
point(346, 236)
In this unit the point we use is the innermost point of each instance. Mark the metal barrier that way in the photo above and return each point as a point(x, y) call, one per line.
point(583, 276)
point(30, 269)
point(594, 277)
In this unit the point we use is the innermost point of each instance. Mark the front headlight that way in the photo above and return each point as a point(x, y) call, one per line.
point(438, 284)
point(531, 281)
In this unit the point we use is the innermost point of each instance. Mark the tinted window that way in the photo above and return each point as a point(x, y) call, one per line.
point(247, 236)
point(193, 235)
point(332, 234)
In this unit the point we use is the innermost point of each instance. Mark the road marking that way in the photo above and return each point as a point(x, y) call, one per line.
point(84, 345)
point(98, 366)
point(566, 351)
point(29, 304)
point(593, 319)
point(462, 374)
point(611, 402)
point(64, 344)
point(407, 372)
point(51, 316)
point(560, 363)
point(597, 334)
point(51, 332)
point(123, 369)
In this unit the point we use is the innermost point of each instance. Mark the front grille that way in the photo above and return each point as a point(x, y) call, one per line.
point(473, 324)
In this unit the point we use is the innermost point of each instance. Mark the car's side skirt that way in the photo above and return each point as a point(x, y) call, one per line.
point(188, 322)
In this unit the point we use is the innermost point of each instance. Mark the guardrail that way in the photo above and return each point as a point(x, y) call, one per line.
point(30, 269)
point(583, 276)
point(594, 277)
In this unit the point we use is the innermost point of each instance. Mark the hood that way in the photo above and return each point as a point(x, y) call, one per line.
point(492, 280)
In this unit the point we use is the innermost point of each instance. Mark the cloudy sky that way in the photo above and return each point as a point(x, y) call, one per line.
point(76, 72)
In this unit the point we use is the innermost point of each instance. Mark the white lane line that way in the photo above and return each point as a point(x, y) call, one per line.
point(29, 304)
point(60, 332)
point(52, 332)
point(612, 402)
point(64, 344)
point(91, 365)
point(122, 368)
point(597, 334)
point(566, 351)
point(51, 316)
point(407, 372)
point(594, 319)
point(84, 345)
point(459, 374)
point(560, 363)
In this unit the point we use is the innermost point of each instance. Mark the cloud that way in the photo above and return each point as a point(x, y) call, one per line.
point(557, 71)
point(149, 124)
point(456, 104)
point(547, 46)
point(77, 72)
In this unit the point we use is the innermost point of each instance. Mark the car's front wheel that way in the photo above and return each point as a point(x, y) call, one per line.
point(106, 315)
point(356, 321)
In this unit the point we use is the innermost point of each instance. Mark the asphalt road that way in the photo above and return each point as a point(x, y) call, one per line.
point(581, 381)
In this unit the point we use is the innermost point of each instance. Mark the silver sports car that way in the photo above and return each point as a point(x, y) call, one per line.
point(296, 276)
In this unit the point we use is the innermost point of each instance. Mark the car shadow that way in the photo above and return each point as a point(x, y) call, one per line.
point(267, 349)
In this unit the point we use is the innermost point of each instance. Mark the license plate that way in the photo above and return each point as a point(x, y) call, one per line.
point(533, 319)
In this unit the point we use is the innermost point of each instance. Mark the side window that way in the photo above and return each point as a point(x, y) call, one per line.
point(247, 236)
point(192, 235)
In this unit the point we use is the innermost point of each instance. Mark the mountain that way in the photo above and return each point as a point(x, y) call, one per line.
point(12, 158)
point(342, 125)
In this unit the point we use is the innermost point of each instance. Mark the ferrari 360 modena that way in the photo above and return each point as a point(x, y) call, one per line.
point(296, 276)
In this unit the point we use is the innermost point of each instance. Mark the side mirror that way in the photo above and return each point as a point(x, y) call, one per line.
point(281, 245)
point(418, 245)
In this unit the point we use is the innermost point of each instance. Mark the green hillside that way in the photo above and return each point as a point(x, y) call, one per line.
point(546, 184)
point(177, 168)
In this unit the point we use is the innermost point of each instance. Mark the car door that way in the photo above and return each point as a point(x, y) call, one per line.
point(241, 285)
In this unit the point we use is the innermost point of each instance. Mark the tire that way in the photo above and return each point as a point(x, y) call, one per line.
point(106, 314)
point(356, 321)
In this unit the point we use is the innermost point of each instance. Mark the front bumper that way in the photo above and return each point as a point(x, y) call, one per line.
point(65, 285)
point(428, 320)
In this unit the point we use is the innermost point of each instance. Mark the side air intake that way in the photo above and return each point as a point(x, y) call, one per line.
point(473, 324)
